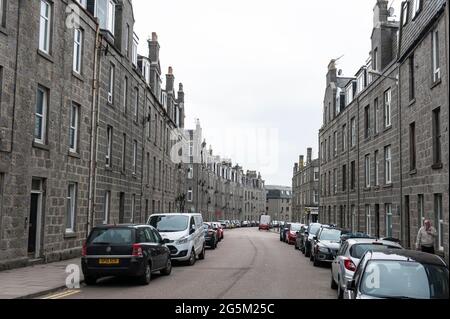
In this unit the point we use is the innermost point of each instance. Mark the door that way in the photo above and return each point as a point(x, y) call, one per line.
point(163, 252)
point(406, 222)
point(377, 220)
point(122, 208)
point(34, 219)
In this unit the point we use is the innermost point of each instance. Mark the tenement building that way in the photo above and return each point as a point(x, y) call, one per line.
point(218, 189)
point(305, 189)
point(279, 202)
point(384, 139)
point(85, 126)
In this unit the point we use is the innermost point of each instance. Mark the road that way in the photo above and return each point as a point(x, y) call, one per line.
point(247, 264)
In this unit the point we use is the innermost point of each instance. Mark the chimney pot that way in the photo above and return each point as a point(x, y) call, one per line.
point(154, 36)
point(170, 70)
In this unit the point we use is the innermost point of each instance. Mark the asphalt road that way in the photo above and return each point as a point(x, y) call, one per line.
point(248, 264)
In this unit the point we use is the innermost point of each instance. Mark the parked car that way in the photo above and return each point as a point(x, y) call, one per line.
point(349, 235)
point(300, 238)
point(326, 244)
point(218, 226)
point(312, 230)
point(283, 231)
point(211, 236)
point(399, 274)
point(348, 257)
point(185, 235)
point(124, 250)
point(291, 235)
point(245, 223)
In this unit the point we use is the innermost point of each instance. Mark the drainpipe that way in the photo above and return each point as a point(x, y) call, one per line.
point(94, 135)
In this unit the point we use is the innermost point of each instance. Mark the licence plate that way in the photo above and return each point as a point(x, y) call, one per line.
point(108, 261)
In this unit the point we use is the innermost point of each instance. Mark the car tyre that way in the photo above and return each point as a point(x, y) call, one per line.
point(145, 278)
point(90, 280)
point(333, 285)
point(166, 271)
point(311, 256)
point(201, 256)
point(192, 258)
point(316, 263)
point(340, 292)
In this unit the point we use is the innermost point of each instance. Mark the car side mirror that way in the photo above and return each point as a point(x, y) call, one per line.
point(192, 230)
point(315, 237)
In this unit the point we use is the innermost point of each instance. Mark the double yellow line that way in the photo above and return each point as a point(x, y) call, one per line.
point(63, 294)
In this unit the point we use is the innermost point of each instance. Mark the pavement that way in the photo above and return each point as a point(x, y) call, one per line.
point(33, 281)
point(248, 264)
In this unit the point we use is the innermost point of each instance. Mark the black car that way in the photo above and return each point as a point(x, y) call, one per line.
point(309, 234)
point(326, 244)
point(211, 237)
point(399, 274)
point(283, 231)
point(124, 250)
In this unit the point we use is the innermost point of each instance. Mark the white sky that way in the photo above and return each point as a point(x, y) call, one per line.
point(248, 64)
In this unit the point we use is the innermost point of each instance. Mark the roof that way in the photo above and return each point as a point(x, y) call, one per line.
point(408, 255)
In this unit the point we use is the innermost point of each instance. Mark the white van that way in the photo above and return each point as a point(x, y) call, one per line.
point(183, 234)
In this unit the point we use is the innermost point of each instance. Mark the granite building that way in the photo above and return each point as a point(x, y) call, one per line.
point(279, 202)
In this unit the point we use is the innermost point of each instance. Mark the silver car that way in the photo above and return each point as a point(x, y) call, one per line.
point(349, 256)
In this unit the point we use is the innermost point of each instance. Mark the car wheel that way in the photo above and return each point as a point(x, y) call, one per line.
point(311, 256)
point(307, 253)
point(340, 292)
point(316, 263)
point(192, 258)
point(333, 285)
point(145, 278)
point(90, 280)
point(166, 271)
point(202, 254)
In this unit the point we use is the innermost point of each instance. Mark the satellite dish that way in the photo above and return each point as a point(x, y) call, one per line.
point(391, 11)
point(340, 72)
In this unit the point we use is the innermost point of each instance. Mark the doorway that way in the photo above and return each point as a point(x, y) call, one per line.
point(35, 218)
point(121, 208)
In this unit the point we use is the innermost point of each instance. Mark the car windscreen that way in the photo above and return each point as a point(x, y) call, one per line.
point(168, 223)
point(314, 228)
point(330, 234)
point(403, 280)
point(296, 227)
point(357, 251)
point(114, 236)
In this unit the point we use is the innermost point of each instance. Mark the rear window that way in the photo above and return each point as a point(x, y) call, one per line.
point(357, 251)
point(117, 236)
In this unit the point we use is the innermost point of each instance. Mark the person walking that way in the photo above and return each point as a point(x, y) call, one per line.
point(426, 238)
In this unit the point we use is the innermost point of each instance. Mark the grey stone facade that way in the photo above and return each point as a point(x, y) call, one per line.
point(381, 195)
point(279, 202)
point(305, 189)
point(41, 178)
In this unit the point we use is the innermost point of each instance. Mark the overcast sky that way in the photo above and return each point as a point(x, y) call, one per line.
point(257, 68)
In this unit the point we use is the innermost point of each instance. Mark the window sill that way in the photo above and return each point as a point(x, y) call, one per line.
point(74, 154)
point(38, 145)
point(387, 128)
point(436, 83)
point(413, 172)
point(46, 56)
point(134, 175)
point(388, 186)
point(437, 166)
point(70, 235)
point(77, 76)
point(110, 104)
point(412, 102)
point(376, 188)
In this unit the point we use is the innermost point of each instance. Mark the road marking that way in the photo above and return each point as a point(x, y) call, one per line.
point(63, 294)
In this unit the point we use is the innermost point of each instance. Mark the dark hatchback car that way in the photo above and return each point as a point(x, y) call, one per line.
point(124, 250)
point(300, 241)
point(284, 230)
point(399, 274)
point(211, 236)
point(326, 244)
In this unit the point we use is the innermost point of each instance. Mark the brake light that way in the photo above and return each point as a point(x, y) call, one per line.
point(137, 250)
point(84, 249)
point(349, 265)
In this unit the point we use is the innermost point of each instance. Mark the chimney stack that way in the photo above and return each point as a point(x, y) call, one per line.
point(302, 162)
point(170, 79)
point(295, 168)
point(153, 48)
point(309, 157)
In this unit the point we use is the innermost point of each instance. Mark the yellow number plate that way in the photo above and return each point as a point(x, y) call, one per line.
point(108, 261)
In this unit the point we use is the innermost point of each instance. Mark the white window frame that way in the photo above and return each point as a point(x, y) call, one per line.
point(335, 182)
point(353, 132)
point(107, 204)
point(349, 94)
point(190, 195)
point(388, 165)
point(45, 26)
point(109, 138)
point(316, 196)
point(388, 218)
point(344, 137)
point(111, 83)
point(405, 13)
point(377, 168)
point(134, 156)
point(190, 172)
point(376, 111)
point(77, 50)
point(435, 53)
point(417, 5)
point(127, 40)
point(125, 94)
point(42, 138)
point(134, 50)
point(136, 103)
point(360, 83)
point(71, 207)
point(133, 207)
point(440, 221)
point(368, 219)
point(111, 14)
point(387, 108)
point(367, 170)
point(335, 141)
point(316, 174)
point(73, 127)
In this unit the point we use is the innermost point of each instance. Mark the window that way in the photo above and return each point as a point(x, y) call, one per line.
point(344, 138)
point(329, 148)
point(353, 132)
point(109, 137)
point(106, 206)
point(377, 169)
point(148, 169)
point(352, 175)
point(134, 50)
point(316, 196)
point(77, 50)
point(133, 207)
point(73, 128)
point(375, 59)
point(2, 13)
point(71, 207)
point(136, 104)
point(375, 113)
point(367, 121)
point(111, 84)
point(439, 220)
point(349, 93)
point(159, 174)
point(189, 194)
point(367, 170)
point(134, 156)
point(335, 144)
point(45, 26)
point(316, 174)
point(420, 210)
point(387, 108)
point(437, 153)
point(190, 172)
point(412, 146)
point(411, 78)
point(149, 122)
point(344, 178)
point(368, 220)
point(417, 6)
point(125, 95)
point(405, 13)
point(124, 152)
point(435, 50)
point(154, 172)
point(361, 82)
point(40, 119)
point(335, 182)
point(127, 40)
point(353, 217)
point(387, 165)
point(388, 210)
point(111, 20)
